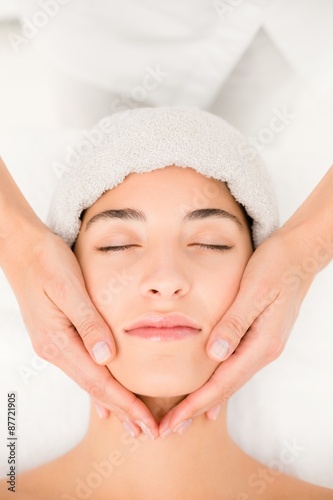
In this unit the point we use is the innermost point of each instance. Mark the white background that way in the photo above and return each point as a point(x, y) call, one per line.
point(291, 399)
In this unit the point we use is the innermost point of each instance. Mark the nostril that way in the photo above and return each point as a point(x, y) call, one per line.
point(165, 291)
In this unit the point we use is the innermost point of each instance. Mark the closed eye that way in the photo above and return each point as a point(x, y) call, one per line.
point(120, 248)
point(221, 248)
point(117, 248)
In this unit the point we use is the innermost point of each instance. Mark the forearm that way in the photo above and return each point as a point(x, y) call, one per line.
point(313, 221)
point(17, 218)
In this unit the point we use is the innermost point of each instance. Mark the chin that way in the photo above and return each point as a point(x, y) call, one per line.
point(161, 386)
point(162, 376)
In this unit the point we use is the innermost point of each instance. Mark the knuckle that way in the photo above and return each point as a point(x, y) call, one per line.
point(39, 349)
point(236, 328)
point(87, 330)
point(266, 297)
point(132, 405)
point(263, 289)
point(59, 288)
point(46, 350)
point(274, 349)
point(190, 406)
point(95, 389)
point(223, 392)
point(227, 392)
point(50, 352)
point(218, 389)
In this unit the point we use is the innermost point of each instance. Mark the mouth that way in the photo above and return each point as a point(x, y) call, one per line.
point(157, 328)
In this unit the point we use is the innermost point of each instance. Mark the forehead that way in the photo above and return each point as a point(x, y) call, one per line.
point(175, 189)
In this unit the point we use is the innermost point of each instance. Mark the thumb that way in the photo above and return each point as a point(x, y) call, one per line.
point(76, 305)
point(237, 320)
point(94, 331)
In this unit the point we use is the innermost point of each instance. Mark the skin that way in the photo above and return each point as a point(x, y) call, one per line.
point(169, 272)
point(51, 292)
point(268, 301)
point(166, 271)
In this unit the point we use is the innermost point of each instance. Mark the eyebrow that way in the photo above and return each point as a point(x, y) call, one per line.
point(130, 214)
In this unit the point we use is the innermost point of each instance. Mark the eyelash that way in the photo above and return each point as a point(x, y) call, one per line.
point(220, 248)
point(115, 248)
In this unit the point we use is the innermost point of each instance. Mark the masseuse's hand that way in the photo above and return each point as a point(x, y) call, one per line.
point(63, 324)
point(254, 331)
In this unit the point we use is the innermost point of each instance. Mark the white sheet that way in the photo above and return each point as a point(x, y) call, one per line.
point(289, 401)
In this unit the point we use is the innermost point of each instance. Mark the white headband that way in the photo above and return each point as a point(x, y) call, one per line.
point(145, 139)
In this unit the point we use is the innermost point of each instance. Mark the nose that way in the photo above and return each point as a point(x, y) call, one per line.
point(164, 277)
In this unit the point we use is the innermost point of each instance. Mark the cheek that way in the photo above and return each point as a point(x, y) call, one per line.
point(105, 291)
point(96, 280)
point(108, 287)
point(220, 290)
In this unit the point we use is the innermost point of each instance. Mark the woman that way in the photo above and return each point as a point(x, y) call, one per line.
point(197, 50)
point(172, 253)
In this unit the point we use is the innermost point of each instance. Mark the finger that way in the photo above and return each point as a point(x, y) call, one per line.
point(214, 412)
point(246, 308)
point(101, 411)
point(225, 381)
point(67, 351)
point(72, 298)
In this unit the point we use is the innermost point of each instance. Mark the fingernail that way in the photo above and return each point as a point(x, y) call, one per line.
point(145, 429)
point(215, 412)
point(181, 428)
point(101, 411)
point(219, 349)
point(101, 352)
point(166, 433)
point(129, 428)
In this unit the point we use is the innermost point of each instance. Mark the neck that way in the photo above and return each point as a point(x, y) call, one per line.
point(123, 460)
point(160, 406)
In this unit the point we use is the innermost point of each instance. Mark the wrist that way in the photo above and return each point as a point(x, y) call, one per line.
point(20, 230)
point(312, 223)
point(18, 221)
point(312, 239)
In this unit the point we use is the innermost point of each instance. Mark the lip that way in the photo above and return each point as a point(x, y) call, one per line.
point(157, 327)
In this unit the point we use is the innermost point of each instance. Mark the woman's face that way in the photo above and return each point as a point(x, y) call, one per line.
point(163, 243)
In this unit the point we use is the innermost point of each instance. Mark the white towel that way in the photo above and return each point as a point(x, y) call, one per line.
point(145, 139)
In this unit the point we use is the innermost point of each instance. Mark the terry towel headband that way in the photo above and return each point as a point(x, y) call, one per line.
point(145, 139)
